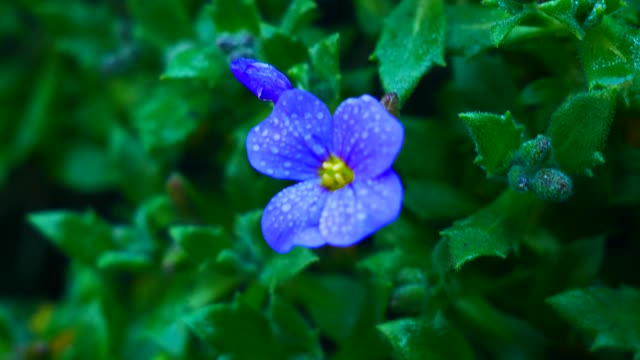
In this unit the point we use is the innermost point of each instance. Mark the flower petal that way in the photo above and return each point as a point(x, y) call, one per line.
point(292, 216)
point(294, 140)
point(262, 79)
point(366, 136)
point(360, 209)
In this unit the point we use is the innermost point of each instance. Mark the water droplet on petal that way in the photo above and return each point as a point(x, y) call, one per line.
point(286, 207)
point(256, 147)
point(276, 137)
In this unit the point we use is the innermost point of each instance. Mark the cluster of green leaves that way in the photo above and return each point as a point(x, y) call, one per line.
point(176, 266)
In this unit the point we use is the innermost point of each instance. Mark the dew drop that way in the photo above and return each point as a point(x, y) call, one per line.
point(286, 207)
point(256, 147)
point(276, 137)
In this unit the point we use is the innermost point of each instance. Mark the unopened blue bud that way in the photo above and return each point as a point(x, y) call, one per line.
point(519, 178)
point(552, 185)
point(535, 151)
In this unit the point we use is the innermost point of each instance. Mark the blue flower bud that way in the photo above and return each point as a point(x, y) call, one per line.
point(519, 178)
point(552, 185)
point(535, 151)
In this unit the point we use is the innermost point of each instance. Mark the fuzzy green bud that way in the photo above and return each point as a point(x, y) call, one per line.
point(552, 185)
point(408, 299)
point(519, 178)
point(535, 151)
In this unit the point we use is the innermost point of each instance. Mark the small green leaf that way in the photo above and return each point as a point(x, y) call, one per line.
point(333, 302)
point(437, 200)
point(283, 267)
point(189, 61)
point(280, 49)
point(299, 13)
point(291, 328)
point(325, 59)
point(236, 329)
point(492, 231)
point(199, 242)
point(412, 41)
point(235, 15)
point(416, 339)
point(80, 236)
point(497, 138)
point(564, 11)
point(610, 54)
point(152, 19)
point(611, 316)
point(124, 260)
point(478, 28)
point(579, 130)
point(162, 119)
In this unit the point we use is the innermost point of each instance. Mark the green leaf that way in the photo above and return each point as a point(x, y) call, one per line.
point(236, 329)
point(416, 339)
point(299, 13)
point(280, 49)
point(152, 19)
point(283, 267)
point(189, 61)
point(478, 28)
point(333, 302)
point(292, 329)
point(411, 43)
point(611, 316)
point(437, 200)
point(579, 130)
point(83, 237)
point(162, 120)
point(325, 59)
point(199, 242)
point(497, 138)
point(235, 15)
point(565, 12)
point(492, 231)
point(610, 54)
point(123, 260)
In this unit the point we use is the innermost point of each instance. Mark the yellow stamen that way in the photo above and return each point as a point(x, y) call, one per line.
point(335, 173)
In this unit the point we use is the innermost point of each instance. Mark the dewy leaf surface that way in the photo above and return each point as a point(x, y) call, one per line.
point(579, 130)
point(492, 231)
point(497, 137)
point(412, 42)
point(611, 315)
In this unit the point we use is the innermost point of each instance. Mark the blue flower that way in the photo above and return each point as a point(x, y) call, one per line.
point(347, 189)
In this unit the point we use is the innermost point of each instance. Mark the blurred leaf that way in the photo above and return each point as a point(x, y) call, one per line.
point(237, 330)
point(299, 14)
point(497, 138)
point(325, 59)
point(152, 19)
point(612, 316)
point(87, 167)
point(124, 260)
point(163, 120)
point(411, 43)
point(200, 243)
point(282, 267)
point(189, 61)
point(436, 200)
point(579, 130)
point(371, 15)
point(417, 339)
point(84, 237)
point(292, 329)
point(492, 231)
point(610, 54)
point(333, 302)
point(235, 15)
point(280, 49)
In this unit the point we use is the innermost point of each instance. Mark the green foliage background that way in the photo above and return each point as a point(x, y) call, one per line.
point(122, 144)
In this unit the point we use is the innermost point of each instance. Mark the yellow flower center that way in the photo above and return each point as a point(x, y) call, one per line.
point(335, 174)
